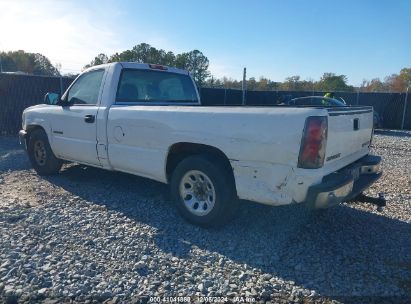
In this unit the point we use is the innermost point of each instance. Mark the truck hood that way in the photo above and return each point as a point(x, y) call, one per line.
point(37, 107)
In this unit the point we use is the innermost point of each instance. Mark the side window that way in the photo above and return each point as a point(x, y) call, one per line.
point(85, 90)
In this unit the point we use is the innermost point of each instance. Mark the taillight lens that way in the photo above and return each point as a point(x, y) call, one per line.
point(314, 141)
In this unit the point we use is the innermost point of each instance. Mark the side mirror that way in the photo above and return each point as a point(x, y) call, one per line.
point(51, 98)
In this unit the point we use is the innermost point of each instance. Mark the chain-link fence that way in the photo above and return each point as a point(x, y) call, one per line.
point(18, 92)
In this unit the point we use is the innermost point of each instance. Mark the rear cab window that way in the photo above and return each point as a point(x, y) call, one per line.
point(148, 86)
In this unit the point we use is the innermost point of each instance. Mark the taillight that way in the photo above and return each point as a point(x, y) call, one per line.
point(158, 67)
point(314, 141)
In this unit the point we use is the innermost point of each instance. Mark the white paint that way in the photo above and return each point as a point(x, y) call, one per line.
point(262, 144)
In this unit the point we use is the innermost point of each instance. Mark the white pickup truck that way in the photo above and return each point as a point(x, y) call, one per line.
point(147, 120)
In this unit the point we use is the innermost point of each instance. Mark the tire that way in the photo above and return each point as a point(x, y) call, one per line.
point(213, 199)
point(40, 154)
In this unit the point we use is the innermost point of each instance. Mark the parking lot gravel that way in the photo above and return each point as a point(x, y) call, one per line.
point(90, 236)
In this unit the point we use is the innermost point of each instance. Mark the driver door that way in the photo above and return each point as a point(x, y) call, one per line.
point(74, 125)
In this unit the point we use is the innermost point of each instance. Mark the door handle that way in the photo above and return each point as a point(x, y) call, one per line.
point(89, 118)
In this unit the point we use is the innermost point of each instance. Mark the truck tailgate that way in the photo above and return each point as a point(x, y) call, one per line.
point(349, 135)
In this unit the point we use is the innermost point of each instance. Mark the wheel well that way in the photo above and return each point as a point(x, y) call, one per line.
point(30, 129)
point(179, 151)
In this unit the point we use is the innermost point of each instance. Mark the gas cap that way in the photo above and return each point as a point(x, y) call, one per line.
point(118, 134)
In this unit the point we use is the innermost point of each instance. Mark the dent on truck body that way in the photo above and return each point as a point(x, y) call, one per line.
point(267, 183)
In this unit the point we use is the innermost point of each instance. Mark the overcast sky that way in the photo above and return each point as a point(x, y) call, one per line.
point(362, 39)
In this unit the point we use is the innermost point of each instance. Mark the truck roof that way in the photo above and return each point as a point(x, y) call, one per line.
point(143, 66)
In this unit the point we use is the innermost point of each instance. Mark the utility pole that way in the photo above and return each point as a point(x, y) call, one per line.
point(405, 108)
point(58, 67)
point(244, 85)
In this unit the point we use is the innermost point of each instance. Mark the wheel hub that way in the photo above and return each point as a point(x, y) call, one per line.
point(40, 153)
point(197, 192)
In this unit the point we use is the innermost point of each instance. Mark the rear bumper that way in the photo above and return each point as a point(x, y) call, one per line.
point(22, 138)
point(346, 183)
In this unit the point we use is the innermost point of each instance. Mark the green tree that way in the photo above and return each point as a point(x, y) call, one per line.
point(31, 63)
point(148, 54)
point(43, 66)
point(196, 63)
point(263, 84)
point(405, 76)
point(168, 58)
point(212, 82)
point(143, 53)
point(252, 84)
point(193, 61)
point(333, 82)
point(229, 83)
point(99, 59)
point(292, 83)
point(399, 82)
point(375, 85)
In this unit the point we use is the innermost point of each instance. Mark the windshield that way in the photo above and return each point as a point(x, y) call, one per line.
point(155, 86)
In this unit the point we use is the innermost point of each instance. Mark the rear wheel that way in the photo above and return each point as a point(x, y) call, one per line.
point(40, 154)
point(203, 191)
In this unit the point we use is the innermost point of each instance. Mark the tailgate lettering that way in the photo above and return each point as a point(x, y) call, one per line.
point(333, 156)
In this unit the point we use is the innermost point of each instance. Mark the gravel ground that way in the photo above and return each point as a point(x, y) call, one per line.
point(87, 235)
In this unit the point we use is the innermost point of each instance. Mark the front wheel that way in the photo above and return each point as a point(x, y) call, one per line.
point(40, 154)
point(203, 191)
